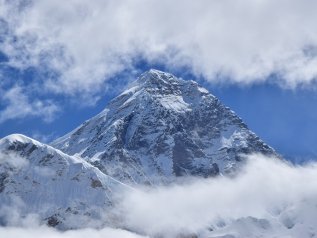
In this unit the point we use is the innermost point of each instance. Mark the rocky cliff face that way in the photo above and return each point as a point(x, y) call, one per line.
point(161, 128)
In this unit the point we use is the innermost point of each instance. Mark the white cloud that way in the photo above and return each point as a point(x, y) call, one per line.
point(13, 161)
point(17, 104)
point(44, 138)
point(89, 41)
point(268, 199)
point(78, 45)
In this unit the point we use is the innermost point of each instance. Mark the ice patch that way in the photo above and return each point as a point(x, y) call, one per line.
point(175, 103)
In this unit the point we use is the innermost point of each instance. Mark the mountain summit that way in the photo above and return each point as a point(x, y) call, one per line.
point(160, 128)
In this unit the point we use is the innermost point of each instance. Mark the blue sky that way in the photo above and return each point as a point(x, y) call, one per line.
point(61, 63)
point(285, 119)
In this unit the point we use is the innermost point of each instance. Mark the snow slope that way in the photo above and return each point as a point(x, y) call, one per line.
point(63, 191)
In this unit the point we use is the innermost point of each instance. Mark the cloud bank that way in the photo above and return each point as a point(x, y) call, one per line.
point(77, 46)
point(17, 104)
point(268, 198)
point(14, 232)
point(87, 42)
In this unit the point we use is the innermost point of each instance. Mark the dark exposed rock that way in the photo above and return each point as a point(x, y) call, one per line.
point(3, 177)
point(53, 221)
point(95, 183)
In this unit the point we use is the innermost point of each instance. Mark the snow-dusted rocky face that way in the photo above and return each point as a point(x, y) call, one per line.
point(161, 128)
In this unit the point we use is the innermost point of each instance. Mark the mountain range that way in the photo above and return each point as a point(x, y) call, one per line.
point(160, 130)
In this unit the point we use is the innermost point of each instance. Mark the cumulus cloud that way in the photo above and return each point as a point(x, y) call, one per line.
point(269, 198)
point(13, 161)
point(77, 46)
point(17, 104)
point(88, 42)
point(44, 138)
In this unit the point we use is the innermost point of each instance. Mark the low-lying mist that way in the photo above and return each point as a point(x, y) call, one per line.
point(31, 232)
point(268, 195)
point(267, 198)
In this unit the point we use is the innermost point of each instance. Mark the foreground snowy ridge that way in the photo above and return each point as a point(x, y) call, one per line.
point(64, 191)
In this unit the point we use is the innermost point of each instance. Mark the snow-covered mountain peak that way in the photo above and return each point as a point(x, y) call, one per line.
point(160, 128)
point(157, 82)
point(161, 90)
point(16, 138)
point(156, 77)
point(19, 143)
point(24, 146)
